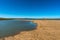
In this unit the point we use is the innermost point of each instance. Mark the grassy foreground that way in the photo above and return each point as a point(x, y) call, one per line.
point(46, 30)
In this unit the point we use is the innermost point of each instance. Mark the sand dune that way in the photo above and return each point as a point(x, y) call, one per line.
point(46, 30)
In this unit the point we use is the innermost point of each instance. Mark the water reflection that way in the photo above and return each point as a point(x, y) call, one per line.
point(12, 27)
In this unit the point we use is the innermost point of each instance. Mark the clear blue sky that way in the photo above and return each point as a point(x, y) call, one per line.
point(30, 8)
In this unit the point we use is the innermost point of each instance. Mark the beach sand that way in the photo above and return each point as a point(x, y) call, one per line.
point(46, 30)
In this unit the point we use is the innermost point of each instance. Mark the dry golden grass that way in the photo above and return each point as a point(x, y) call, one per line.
point(46, 30)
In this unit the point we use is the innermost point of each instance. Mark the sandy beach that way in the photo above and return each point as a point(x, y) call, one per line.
point(46, 30)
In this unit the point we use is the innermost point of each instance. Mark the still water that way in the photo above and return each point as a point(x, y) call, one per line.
point(10, 27)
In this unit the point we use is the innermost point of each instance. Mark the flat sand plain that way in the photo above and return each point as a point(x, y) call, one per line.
point(46, 30)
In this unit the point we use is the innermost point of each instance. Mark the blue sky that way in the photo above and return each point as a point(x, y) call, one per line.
point(30, 8)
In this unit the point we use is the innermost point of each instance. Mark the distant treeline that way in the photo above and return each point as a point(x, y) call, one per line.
point(29, 19)
point(37, 18)
point(6, 19)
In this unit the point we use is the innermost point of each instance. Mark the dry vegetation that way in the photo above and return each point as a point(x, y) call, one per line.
point(46, 30)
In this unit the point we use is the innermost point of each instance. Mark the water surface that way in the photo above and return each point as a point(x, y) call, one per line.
point(10, 27)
